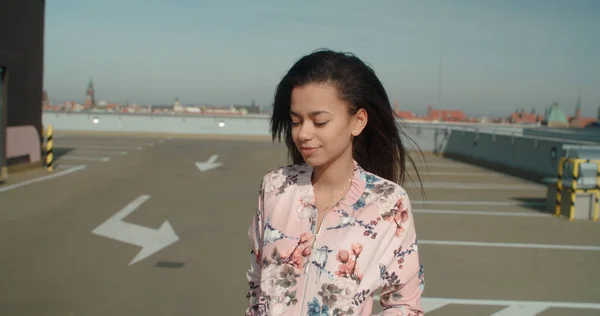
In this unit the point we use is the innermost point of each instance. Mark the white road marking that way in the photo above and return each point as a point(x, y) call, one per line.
point(481, 186)
point(209, 164)
point(521, 310)
point(151, 240)
point(483, 213)
point(431, 305)
point(42, 178)
point(507, 245)
point(534, 307)
point(76, 146)
point(450, 173)
point(70, 157)
point(64, 166)
point(479, 203)
point(96, 151)
point(441, 164)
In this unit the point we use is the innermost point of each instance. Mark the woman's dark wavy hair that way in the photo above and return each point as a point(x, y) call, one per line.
point(379, 149)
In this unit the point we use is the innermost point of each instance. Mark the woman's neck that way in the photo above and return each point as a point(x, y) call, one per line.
point(333, 176)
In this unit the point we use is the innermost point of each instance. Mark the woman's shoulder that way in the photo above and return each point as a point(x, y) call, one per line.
point(382, 188)
point(280, 178)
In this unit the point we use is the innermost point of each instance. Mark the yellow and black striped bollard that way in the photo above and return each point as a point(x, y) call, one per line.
point(561, 164)
point(49, 148)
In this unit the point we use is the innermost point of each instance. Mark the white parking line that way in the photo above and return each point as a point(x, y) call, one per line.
point(96, 151)
point(478, 203)
point(514, 308)
point(451, 173)
point(483, 213)
point(482, 186)
point(42, 178)
point(75, 146)
point(430, 305)
point(507, 245)
point(445, 165)
point(521, 310)
point(69, 157)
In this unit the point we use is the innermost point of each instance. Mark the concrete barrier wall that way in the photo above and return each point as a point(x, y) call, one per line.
point(534, 158)
point(500, 147)
point(153, 124)
point(187, 124)
point(587, 134)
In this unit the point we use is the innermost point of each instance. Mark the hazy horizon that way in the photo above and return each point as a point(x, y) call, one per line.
point(497, 56)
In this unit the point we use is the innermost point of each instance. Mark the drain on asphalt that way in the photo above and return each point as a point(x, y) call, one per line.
point(169, 264)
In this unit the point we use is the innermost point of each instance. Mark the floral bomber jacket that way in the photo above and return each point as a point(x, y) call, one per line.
point(365, 244)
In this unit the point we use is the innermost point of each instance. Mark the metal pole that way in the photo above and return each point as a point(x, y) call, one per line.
point(439, 105)
point(441, 62)
point(3, 123)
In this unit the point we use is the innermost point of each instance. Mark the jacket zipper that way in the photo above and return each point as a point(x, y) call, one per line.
point(308, 264)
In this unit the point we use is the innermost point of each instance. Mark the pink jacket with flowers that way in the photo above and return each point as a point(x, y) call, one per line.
point(367, 242)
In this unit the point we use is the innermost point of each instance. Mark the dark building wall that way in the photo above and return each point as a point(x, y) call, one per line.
point(22, 54)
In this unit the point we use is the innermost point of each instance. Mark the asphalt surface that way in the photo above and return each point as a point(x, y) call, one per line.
point(487, 244)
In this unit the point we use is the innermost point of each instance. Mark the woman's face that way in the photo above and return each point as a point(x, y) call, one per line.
point(322, 128)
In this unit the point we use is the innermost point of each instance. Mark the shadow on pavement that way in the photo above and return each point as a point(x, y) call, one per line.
point(61, 151)
point(537, 204)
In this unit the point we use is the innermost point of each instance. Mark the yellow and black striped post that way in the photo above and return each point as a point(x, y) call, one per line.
point(598, 175)
point(49, 149)
point(576, 164)
point(597, 205)
point(574, 190)
point(561, 165)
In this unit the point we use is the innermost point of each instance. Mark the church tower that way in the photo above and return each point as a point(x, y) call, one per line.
point(578, 109)
point(90, 101)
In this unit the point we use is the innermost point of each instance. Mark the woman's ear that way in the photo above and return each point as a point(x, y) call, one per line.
point(359, 122)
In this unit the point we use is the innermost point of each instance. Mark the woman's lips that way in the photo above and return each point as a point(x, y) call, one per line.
point(306, 151)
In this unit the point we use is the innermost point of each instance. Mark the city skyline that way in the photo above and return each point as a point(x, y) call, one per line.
point(496, 57)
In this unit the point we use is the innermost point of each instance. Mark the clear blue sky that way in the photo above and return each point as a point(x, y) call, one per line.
point(498, 55)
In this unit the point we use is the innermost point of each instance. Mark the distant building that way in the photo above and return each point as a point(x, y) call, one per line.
point(90, 101)
point(177, 106)
point(556, 117)
point(446, 115)
point(578, 121)
point(250, 109)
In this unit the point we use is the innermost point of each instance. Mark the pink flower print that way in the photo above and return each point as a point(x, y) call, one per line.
point(305, 238)
point(342, 270)
point(348, 267)
point(357, 248)
point(343, 256)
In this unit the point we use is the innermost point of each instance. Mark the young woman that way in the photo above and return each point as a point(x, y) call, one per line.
point(336, 226)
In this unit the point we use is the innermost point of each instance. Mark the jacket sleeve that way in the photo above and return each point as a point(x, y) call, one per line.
point(253, 275)
point(401, 273)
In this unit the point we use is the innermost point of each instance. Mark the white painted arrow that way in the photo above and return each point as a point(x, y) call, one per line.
point(151, 240)
point(209, 164)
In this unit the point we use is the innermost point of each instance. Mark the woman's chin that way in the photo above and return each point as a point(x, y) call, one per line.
point(314, 161)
